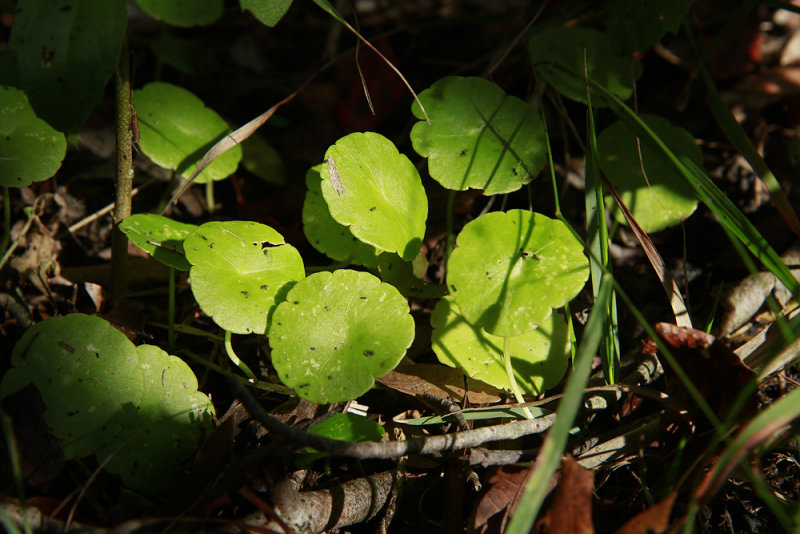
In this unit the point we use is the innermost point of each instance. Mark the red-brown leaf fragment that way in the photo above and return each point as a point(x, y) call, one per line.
point(571, 510)
point(654, 520)
point(502, 486)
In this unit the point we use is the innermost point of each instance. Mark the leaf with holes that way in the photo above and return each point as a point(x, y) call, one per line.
point(171, 421)
point(177, 130)
point(377, 192)
point(62, 55)
point(183, 12)
point(478, 136)
point(30, 149)
point(660, 197)
point(240, 270)
point(511, 269)
point(159, 236)
point(539, 357)
point(605, 63)
point(327, 235)
point(336, 332)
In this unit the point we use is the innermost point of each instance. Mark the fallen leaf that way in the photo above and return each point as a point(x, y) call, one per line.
point(654, 520)
point(502, 485)
point(571, 509)
point(441, 381)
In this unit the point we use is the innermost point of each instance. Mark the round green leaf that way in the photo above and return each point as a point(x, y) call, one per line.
point(539, 357)
point(177, 130)
point(640, 25)
point(377, 192)
point(269, 12)
point(263, 160)
point(30, 150)
point(169, 424)
point(87, 373)
point(661, 197)
point(65, 53)
point(478, 136)
point(336, 331)
point(327, 235)
point(240, 269)
point(159, 236)
point(183, 12)
point(511, 269)
point(604, 62)
point(348, 427)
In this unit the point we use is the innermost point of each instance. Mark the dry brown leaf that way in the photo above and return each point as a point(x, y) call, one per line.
point(654, 520)
point(502, 485)
point(571, 509)
point(439, 380)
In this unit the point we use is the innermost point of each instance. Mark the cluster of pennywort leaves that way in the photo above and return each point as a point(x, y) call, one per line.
point(331, 333)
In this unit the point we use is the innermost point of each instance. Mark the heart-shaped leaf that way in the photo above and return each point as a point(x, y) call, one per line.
point(183, 12)
point(539, 357)
point(170, 423)
point(336, 332)
point(377, 192)
point(660, 197)
point(177, 129)
point(478, 136)
point(159, 236)
point(511, 269)
point(327, 235)
point(30, 149)
point(575, 47)
point(65, 53)
point(240, 270)
point(269, 12)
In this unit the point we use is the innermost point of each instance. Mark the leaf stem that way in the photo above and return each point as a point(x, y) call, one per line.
point(6, 218)
point(235, 359)
point(171, 311)
point(511, 379)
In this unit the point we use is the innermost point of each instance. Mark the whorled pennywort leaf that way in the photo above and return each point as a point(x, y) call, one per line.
point(377, 192)
point(336, 332)
point(578, 48)
point(177, 129)
point(183, 12)
point(62, 55)
point(510, 269)
point(328, 236)
point(659, 197)
point(478, 136)
point(103, 395)
point(268, 12)
point(30, 149)
point(159, 236)
point(538, 357)
point(240, 270)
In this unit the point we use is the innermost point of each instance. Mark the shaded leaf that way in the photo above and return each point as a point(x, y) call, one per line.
point(269, 12)
point(30, 150)
point(654, 520)
point(183, 12)
point(439, 380)
point(571, 509)
point(502, 483)
point(159, 236)
point(640, 25)
point(348, 427)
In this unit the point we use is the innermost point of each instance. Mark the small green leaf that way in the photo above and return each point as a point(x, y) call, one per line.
point(86, 371)
point(263, 160)
point(169, 424)
point(511, 269)
point(240, 269)
point(177, 130)
point(269, 12)
point(661, 197)
point(640, 25)
point(377, 192)
point(30, 149)
point(478, 136)
point(65, 53)
point(327, 235)
point(159, 236)
point(336, 331)
point(348, 427)
point(183, 12)
point(605, 63)
point(539, 357)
